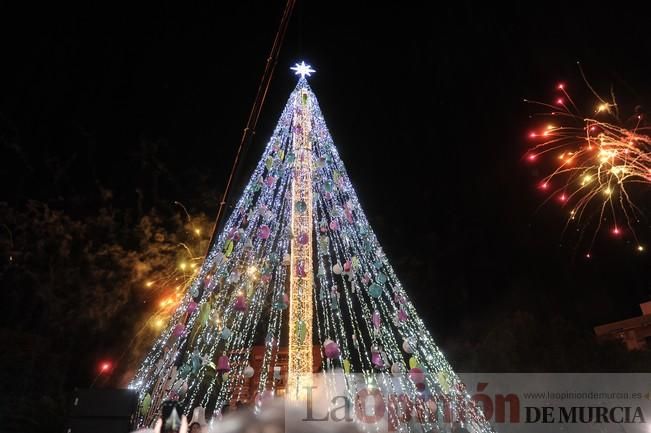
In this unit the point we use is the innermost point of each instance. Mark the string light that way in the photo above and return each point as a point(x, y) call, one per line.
point(347, 294)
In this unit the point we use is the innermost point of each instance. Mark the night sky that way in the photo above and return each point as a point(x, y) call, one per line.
point(425, 104)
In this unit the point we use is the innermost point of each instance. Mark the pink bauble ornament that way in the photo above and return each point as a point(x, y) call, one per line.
point(417, 375)
point(178, 330)
point(331, 349)
point(264, 231)
point(349, 215)
point(300, 270)
point(376, 319)
point(240, 303)
point(402, 315)
point(223, 364)
point(303, 239)
point(234, 234)
point(376, 359)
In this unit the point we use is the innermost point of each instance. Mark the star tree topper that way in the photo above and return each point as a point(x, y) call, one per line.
point(302, 69)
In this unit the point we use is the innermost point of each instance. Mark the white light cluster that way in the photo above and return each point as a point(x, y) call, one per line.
point(359, 320)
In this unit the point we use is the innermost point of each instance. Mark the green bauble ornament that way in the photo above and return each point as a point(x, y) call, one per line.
point(146, 405)
point(324, 244)
point(381, 278)
point(329, 186)
point(300, 206)
point(346, 366)
point(274, 258)
point(228, 248)
point(355, 264)
point(204, 313)
point(375, 290)
point(301, 330)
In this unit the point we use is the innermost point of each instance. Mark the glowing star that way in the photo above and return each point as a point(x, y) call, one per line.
point(302, 69)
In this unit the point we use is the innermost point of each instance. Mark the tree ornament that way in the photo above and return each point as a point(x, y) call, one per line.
point(145, 405)
point(301, 330)
point(281, 302)
point(376, 320)
point(401, 315)
point(324, 245)
point(264, 231)
point(349, 215)
point(374, 290)
point(223, 364)
point(331, 349)
point(417, 375)
point(378, 357)
point(444, 381)
point(300, 270)
point(381, 278)
point(240, 303)
point(178, 330)
point(228, 248)
point(346, 363)
point(300, 206)
point(409, 345)
point(397, 368)
point(248, 372)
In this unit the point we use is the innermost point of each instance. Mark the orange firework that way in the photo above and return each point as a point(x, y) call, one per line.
point(599, 158)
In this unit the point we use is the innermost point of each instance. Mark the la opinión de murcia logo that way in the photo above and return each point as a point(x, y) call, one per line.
point(584, 415)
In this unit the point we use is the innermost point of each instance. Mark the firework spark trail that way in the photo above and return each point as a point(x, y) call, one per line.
point(599, 160)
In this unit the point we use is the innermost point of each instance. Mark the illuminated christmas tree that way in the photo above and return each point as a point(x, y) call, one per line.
point(296, 265)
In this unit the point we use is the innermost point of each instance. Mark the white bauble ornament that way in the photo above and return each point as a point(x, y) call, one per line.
point(248, 372)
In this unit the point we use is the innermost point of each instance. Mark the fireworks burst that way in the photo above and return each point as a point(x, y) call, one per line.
point(600, 163)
